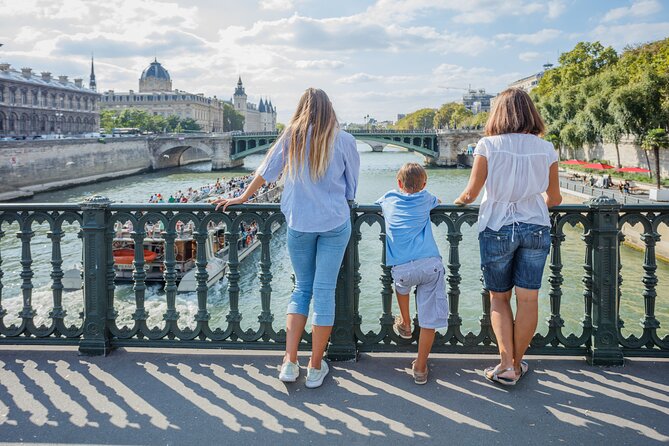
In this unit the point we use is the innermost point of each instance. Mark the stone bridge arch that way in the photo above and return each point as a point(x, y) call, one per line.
point(169, 153)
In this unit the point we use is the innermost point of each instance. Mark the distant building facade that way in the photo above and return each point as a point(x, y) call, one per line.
point(32, 104)
point(257, 118)
point(156, 96)
point(530, 82)
point(477, 101)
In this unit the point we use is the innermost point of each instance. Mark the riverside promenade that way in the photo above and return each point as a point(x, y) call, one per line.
point(171, 397)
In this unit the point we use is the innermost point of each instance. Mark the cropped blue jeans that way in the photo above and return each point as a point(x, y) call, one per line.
point(316, 259)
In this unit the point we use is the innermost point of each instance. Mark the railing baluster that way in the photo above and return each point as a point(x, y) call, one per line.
point(138, 276)
point(171, 315)
point(58, 313)
point(386, 280)
point(234, 317)
point(3, 312)
point(587, 285)
point(265, 276)
point(555, 321)
point(649, 323)
point(201, 276)
point(454, 279)
point(26, 234)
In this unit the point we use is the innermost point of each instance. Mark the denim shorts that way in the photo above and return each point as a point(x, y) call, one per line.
point(514, 256)
point(427, 275)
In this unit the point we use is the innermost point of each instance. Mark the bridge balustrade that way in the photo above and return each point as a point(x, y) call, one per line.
point(598, 225)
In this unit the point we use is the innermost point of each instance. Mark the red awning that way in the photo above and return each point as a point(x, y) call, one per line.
point(574, 162)
point(598, 166)
point(633, 170)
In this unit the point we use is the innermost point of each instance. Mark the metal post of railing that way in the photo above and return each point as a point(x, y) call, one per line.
point(95, 339)
point(604, 349)
point(342, 341)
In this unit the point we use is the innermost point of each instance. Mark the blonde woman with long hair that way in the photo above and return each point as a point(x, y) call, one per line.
point(320, 165)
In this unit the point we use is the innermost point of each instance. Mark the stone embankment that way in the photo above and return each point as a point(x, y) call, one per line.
point(28, 167)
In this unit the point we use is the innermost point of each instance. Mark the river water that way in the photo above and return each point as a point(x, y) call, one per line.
point(377, 176)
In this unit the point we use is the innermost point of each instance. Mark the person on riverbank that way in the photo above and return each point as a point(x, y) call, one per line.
point(415, 260)
point(517, 167)
point(320, 165)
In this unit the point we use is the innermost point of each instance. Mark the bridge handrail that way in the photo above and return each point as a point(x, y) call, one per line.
point(600, 223)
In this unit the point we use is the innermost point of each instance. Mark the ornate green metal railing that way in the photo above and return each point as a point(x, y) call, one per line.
point(600, 335)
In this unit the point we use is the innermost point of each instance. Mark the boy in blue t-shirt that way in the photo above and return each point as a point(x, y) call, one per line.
point(415, 260)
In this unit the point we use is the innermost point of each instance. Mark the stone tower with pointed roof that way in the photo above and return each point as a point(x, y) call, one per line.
point(92, 85)
point(239, 98)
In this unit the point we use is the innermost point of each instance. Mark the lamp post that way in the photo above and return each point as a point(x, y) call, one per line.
point(366, 118)
point(58, 122)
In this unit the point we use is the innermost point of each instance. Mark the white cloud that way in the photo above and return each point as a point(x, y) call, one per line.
point(319, 64)
point(556, 8)
point(366, 77)
point(529, 56)
point(638, 8)
point(537, 38)
point(621, 35)
point(278, 5)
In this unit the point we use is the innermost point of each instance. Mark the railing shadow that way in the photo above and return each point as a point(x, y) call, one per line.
point(147, 397)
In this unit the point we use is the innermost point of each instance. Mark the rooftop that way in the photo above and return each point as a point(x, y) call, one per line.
point(45, 79)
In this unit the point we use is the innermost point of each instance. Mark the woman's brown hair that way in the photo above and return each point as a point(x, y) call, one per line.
point(315, 111)
point(514, 112)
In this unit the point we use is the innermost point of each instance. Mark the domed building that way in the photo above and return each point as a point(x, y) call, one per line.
point(155, 78)
point(157, 97)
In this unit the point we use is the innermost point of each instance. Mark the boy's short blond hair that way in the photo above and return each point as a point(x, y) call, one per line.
point(412, 176)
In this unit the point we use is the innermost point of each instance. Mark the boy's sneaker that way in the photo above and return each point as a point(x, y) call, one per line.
point(315, 377)
point(289, 372)
point(401, 330)
point(419, 377)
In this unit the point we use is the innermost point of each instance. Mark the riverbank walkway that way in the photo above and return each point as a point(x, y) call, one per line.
point(205, 397)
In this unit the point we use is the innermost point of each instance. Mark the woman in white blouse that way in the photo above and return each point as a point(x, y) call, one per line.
point(520, 173)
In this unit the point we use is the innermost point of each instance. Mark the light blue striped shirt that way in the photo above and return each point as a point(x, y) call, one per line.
point(322, 205)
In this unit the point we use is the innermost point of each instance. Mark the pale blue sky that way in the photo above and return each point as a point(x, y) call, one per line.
point(376, 58)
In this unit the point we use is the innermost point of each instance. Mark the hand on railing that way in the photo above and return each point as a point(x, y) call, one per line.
point(225, 202)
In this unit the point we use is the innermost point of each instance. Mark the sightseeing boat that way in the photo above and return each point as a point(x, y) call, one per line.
point(185, 252)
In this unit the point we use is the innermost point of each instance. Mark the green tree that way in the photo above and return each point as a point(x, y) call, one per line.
point(451, 114)
point(655, 140)
point(612, 132)
point(571, 136)
point(280, 127)
point(586, 59)
point(232, 120)
point(419, 119)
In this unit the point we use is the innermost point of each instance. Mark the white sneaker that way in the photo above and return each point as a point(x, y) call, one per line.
point(315, 377)
point(289, 372)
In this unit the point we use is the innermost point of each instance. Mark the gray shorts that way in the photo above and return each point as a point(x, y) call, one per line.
point(427, 275)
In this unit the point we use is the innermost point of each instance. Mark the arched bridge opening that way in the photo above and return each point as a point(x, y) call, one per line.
point(171, 154)
point(245, 144)
point(422, 142)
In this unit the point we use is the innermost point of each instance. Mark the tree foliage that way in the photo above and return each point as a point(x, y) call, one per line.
point(420, 119)
point(232, 120)
point(596, 95)
point(144, 121)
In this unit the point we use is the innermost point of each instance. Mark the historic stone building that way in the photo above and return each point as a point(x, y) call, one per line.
point(156, 96)
point(257, 118)
point(32, 105)
point(530, 82)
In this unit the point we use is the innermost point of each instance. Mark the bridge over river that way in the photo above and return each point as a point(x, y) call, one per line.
point(439, 147)
point(27, 167)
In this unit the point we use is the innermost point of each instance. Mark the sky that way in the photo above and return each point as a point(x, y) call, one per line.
point(373, 58)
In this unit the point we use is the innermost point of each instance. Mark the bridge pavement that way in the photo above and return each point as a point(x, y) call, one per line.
point(134, 396)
